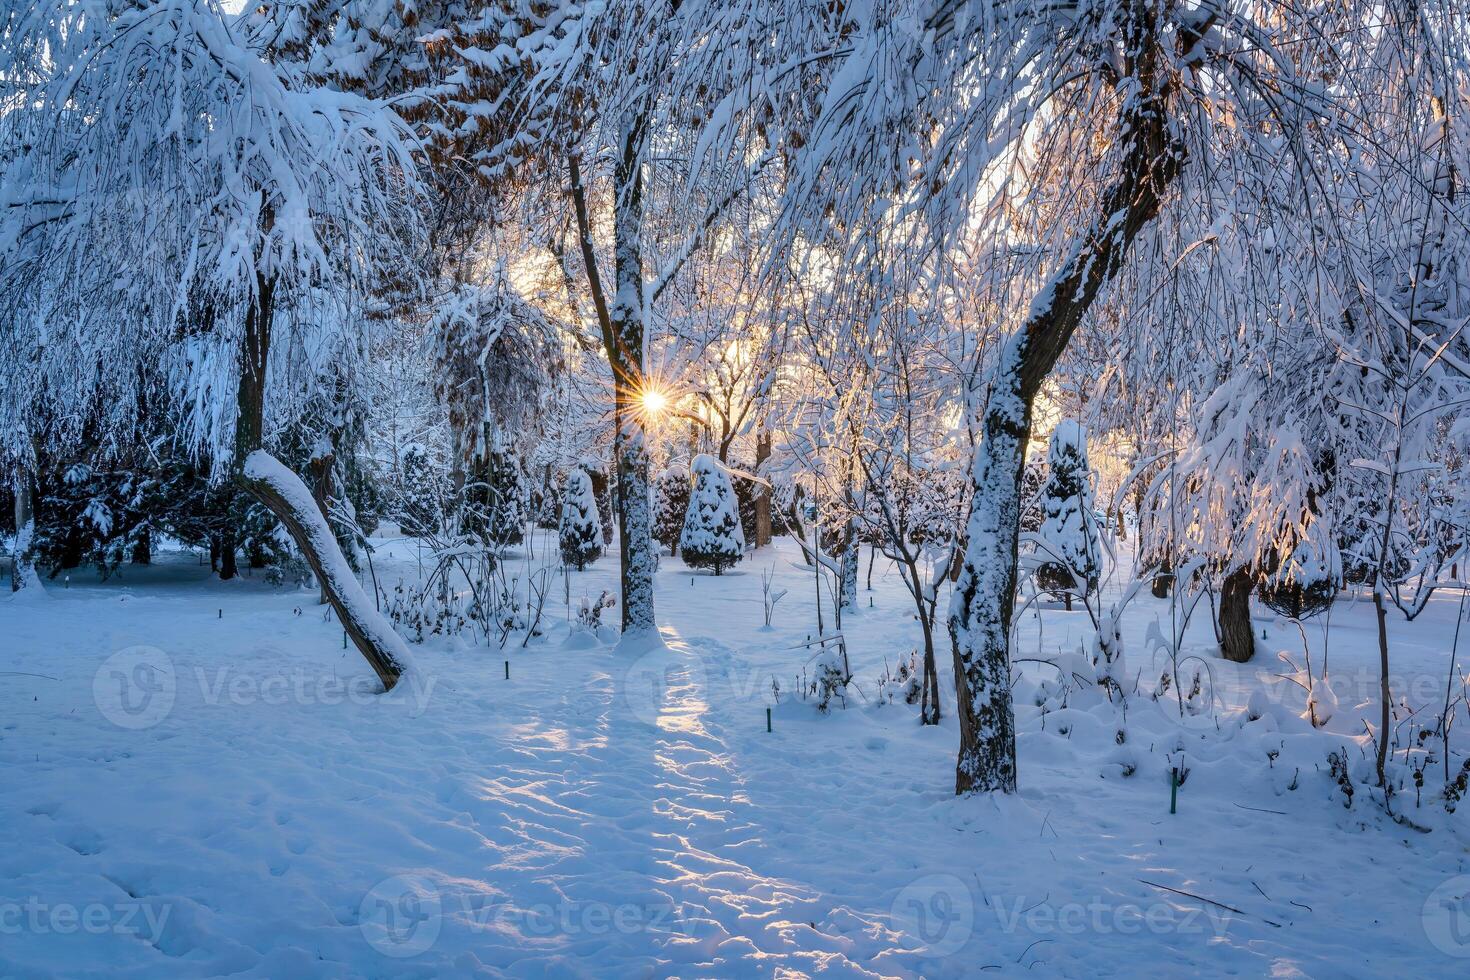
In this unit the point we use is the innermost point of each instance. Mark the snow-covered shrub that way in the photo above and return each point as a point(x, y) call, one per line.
point(580, 533)
point(416, 613)
point(1109, 669)
point(903, 684)
point(589, 613)
point(830, 676)
point(670, 501)
point(1069, 553)
point(711, 537)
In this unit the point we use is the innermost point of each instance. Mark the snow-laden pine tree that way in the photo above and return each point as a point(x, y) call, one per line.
point(670, 502)
point(580, 533)
point(1067, 546)
point(711, 537)
point(498, 495)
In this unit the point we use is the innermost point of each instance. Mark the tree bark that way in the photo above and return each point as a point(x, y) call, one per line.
point(762, 491)
point(984, 595)
point(1237, 638)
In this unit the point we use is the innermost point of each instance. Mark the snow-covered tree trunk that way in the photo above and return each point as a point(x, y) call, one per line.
point(626, 356)
point(984, 595)
point(852, 558)
point(22, 565)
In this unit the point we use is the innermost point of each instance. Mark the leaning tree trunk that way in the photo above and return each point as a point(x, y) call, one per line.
point(984, 595)
point(283, 493)
point(1237, 639)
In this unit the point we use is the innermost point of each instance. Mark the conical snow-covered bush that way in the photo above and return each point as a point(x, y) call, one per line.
point(670, 502)
point(497, 511)
point(1069, 552)
point(711, 537)
point(581, 525)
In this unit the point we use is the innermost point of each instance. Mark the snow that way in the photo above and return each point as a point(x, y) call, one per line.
point(201, 780)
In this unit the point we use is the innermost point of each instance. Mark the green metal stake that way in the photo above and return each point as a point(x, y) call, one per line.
point(768, 719)
point(344, 639)
point(507, 670)
point(1173, 788)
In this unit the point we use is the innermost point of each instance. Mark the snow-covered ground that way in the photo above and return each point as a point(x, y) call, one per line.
point(199, 780)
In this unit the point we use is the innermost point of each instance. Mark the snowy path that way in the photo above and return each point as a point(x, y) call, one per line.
point(656, 794)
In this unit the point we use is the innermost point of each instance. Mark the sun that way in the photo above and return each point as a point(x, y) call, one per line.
point(655, 402)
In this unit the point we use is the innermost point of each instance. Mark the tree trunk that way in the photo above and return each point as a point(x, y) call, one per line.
point(22, 563)
point(625, 354)
point(984, 595)
point(283, 493)
point(1163, 580)
point(929, 710)
point(762, 492)
point(227, 567)
point(320, 465)
point(1237, 638)
point(1384, 694)
point(852, 559)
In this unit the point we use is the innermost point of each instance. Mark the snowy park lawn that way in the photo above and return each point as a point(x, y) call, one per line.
point(200, 780)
